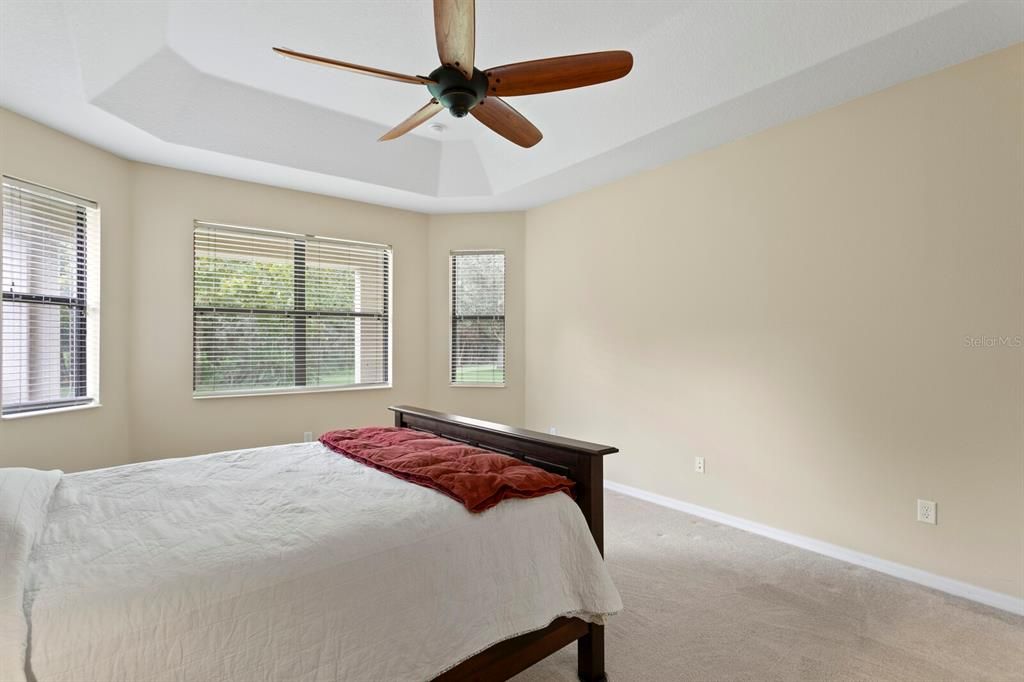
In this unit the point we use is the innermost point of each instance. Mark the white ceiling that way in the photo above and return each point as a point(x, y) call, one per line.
point(194, 84)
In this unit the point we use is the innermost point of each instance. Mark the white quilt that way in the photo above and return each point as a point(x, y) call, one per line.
point(289, 563)
point(24, 494)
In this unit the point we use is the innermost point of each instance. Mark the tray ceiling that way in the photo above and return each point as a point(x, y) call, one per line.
point(194, 85)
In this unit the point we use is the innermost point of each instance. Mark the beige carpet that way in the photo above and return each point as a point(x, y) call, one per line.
point(708, 602)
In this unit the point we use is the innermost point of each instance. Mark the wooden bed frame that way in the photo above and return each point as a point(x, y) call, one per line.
point(578, 460)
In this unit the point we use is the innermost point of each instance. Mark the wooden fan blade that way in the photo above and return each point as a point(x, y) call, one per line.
point(558, 73)
point(497, 115)
point(422, 115)
point(354, 68)
point(455, 30)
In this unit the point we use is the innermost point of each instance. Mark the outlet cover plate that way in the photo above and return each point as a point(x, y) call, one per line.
point(698, 465)
point(926, 512)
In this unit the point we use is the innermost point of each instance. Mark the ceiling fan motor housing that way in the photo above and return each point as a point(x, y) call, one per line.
point(455, 92)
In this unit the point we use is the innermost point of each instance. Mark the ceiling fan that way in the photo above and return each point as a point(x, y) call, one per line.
point(457, 85)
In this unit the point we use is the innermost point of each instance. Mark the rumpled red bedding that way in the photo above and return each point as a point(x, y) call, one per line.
point(477, 478)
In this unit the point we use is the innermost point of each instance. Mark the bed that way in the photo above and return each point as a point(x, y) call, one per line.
point(293, 563)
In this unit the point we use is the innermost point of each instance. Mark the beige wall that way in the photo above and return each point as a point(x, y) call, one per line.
point(449, 233)
point(93, 437)
point(166, 420)
point(147, 407)
point(793, 307)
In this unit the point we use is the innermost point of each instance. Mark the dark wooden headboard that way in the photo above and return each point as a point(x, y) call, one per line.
point(577, 460)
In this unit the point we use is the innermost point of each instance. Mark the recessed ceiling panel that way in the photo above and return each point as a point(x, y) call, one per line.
point(195, 85)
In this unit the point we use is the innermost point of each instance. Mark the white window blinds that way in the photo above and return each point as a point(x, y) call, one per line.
point(274, 312)
point(478, 318)
point(50, 293)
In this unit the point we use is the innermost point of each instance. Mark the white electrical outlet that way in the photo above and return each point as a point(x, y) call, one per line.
point(307, 436)
point(553, 431)
point(926, 512)
point(698, 465)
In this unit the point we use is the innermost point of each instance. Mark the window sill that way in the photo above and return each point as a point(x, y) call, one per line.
point(300, 391)
point(54, 410)
point(463, 385)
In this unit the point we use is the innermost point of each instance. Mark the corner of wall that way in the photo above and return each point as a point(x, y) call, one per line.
point(450, 232)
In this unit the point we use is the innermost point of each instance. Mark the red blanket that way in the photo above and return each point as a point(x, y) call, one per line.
point(477, 478)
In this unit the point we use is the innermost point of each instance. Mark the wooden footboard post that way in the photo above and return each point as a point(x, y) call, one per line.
point(590, 655)
point(580, 461)
point(590, 497)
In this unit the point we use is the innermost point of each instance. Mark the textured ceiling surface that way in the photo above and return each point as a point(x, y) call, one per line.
point(194, 84)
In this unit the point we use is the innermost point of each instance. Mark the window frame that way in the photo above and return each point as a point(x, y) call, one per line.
point(77, 305)
point(299, 354)
point(453, 318)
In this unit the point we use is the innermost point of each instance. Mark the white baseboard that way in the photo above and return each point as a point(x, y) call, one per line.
point(997, 600)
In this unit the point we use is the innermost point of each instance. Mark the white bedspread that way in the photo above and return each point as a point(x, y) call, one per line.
point(291, 563)
point(24, 494)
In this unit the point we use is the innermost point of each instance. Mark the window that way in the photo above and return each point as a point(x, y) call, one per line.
point(276, 312)
point(478, 318)
point(50, 313)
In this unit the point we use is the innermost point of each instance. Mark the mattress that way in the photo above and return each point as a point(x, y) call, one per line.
point(283, 563)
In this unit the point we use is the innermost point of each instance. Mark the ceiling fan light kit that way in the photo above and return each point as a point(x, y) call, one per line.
point(458, 86)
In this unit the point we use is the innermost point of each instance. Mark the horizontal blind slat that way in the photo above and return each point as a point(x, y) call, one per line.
point(478, 317)
point(278, 311)
point(49, 308)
